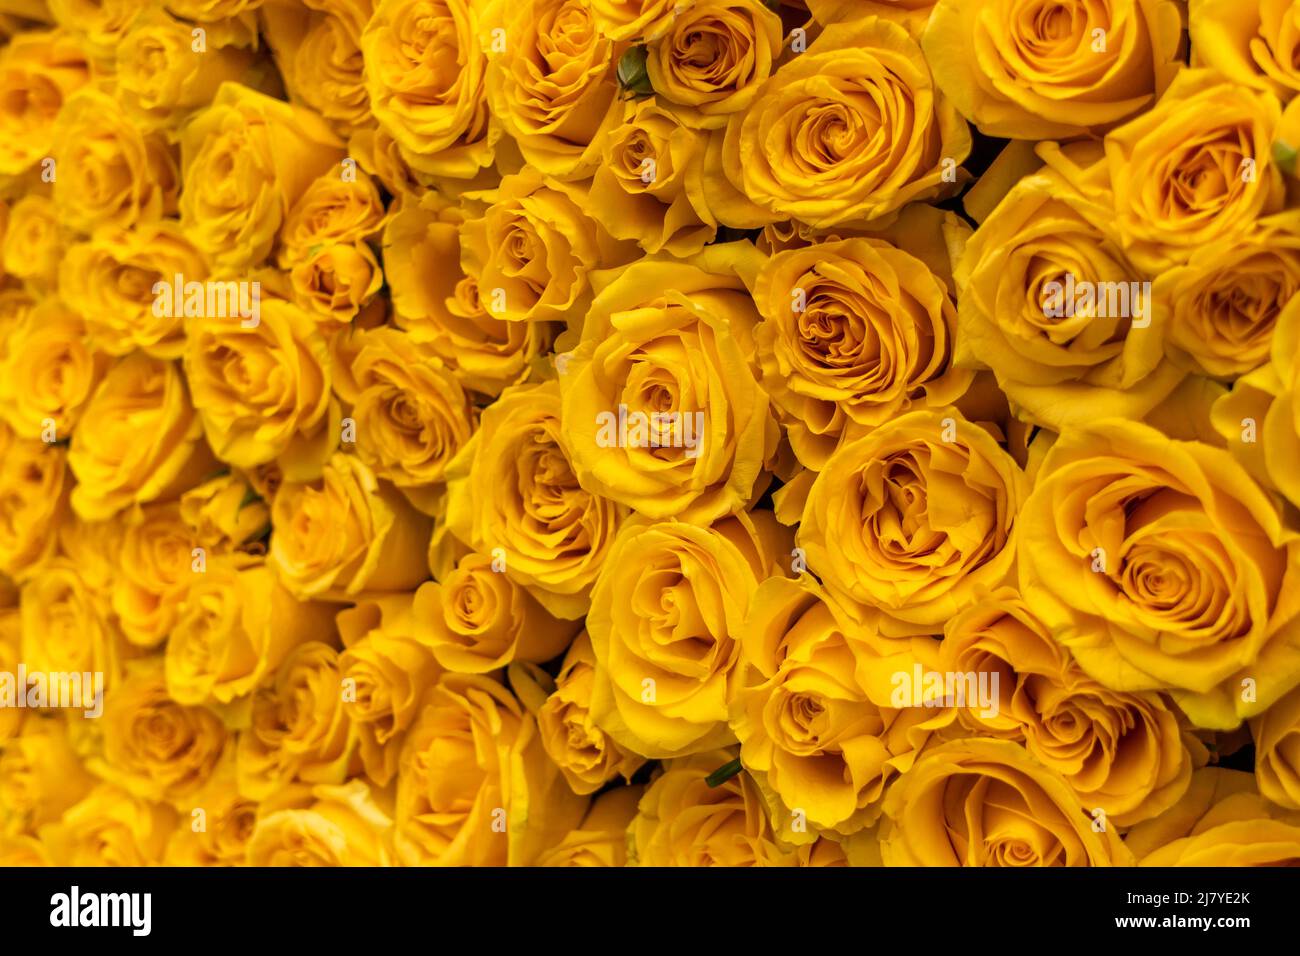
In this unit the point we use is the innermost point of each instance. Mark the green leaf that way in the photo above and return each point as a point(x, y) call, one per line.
point(632, 74)
point(1284, 155)
point(724, 773)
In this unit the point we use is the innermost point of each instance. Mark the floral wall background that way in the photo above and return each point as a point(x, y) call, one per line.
point(649, 432)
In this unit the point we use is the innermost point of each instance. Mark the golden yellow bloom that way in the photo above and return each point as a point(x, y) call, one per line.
point(109, 280)
point(665, 625)
point(812, 710)
point(108, 172)
point(342, 826)
point(100, 23)
point(1221, 821)
point(601, 840)
point(586, 756)
point(714, 57)
point(1120, 752)
point(513, 495)
point(389, 671)
point(1160, 565)
point(38, 72)
point(226, 517)
point(139, 439)
point(1277, 751)
point(682, 821)
point(214, 830)
point(854, 332)
point(234, 631)
point(331, 211)
point(345, 533)
point(662, 409)
point(1029, 72)
point(649, 186)
point(154, 574)
point(318, 48)
point(299, 727)
point(110, 827)
point(40, 777)
point(1048, 301)
point(1256, 44)
point(980, 802)
point(162, 77)
point(477, 619)
point(852, 129)
point(48, 373)
point(34, 476)
point(153, 747)
point(425, 65)
point(35, 242)
point(553, 88)
point(246, 159)
point(262, 389)
point(532, 247)
point(635, 19)
point(913, 517)
point(474, 786)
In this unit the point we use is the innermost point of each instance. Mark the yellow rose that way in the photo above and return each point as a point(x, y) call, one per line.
point(226, 517)
point(48, 374)
point(425, 64)
point(1277, 751)
point(601, 839)
point(161, 77)
point(153, 747)
point(23, 850)
point(109, 280)
point(110, 827)
point(665, 626)
point(40, 777)
point(1221, 308)
point(1048, 301)
point(110, 174)
point(1160, 565)
point(649, 186)
point(246, 159)
point(299, 727)
point(854, 332)
point(585, 755)
point(1195, 168)
point(34, 242)
point(389, 671)
point(11, 638)
point(553, 88)
point(1026, 72)
point(1120, 752)
point(474, 787)
point(139, 439)
point(100, 23)
point(343, 826)
point(912, 518)
point(220, 822)
point(852, 129)
point(476, 620)
point(980, 802)
point(34, 476)
point(438, 304)
point(331, 211)
point(714, 57)
point(234, 631)
point(334, 282)
point(532, 247)
point(38, 72)
point(155, 570)
point(1256, 44)
point(319, 54)
point(662, 409)
point(635, 19)
point(212, 11)
point(1220, 822)
point(345, 533)
point(812, 710)
point(263, 390)
point(513, 488)
point(913, 14)
point(65, 631)
point(412, 415)
point(379, 154)
point(683, 821)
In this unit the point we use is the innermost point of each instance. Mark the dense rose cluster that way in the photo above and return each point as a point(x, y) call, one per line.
point(650, 432)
